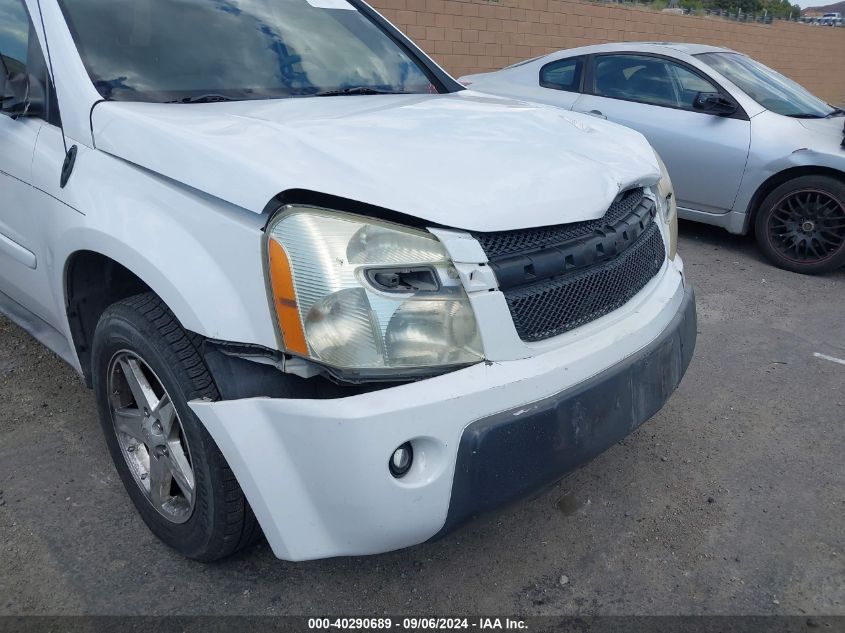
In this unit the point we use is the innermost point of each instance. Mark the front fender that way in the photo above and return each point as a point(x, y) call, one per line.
point(778, 144)
point(202, 256)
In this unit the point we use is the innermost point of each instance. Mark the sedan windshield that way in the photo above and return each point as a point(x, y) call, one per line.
point(195, 51)
point(768, 87)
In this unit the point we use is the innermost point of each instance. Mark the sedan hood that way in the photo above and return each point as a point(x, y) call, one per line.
point(827, 133)
point(463, 160)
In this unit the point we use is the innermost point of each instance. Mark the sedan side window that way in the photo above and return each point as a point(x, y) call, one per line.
point(563, 74)
point(648, 79)
point(689, 85)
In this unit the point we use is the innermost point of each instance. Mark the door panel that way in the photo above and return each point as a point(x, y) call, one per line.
point(23, 276)
point(705, 154)
point(18, 243)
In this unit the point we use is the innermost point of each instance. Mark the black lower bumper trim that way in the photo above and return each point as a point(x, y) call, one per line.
point(508, 456)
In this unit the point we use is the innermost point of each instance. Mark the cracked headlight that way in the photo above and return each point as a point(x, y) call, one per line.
point(664, 195)
point(359, 294)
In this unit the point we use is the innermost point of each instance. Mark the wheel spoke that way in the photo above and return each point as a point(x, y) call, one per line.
point(140, 387)
point(833, 234)
point(180, 469)
point(825, 240)
point(165, 413)
point(160, 481)
point(128, 420)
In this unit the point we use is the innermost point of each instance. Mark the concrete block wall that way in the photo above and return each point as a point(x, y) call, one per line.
point(470, 36)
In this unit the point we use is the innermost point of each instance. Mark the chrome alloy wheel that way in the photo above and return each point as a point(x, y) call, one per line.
point(150, 436)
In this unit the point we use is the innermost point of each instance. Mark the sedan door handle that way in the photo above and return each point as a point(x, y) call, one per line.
point(595, 113)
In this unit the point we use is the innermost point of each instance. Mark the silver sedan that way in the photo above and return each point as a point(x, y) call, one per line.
point(747, 149)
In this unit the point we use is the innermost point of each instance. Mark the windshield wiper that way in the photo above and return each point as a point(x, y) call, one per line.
point(210, 98)
point(806, 115)
point(357, 90)
point(835, 112)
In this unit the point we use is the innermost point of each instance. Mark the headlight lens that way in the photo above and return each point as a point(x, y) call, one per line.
point(355, 293)
point(664, 194)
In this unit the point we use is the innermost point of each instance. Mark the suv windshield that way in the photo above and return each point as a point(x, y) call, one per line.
point(220, 50)
point(768, 87)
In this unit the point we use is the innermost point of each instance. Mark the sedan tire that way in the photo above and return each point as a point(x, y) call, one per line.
point(146, 369)
point(800, 226)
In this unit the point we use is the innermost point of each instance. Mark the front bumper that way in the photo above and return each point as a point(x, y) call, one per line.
point(316, 471)
point(513, 454)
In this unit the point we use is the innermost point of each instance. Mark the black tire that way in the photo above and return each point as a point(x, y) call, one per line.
point(221, 521)
point(795, 232)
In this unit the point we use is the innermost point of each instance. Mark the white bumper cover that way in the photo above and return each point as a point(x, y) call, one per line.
point(316, 471)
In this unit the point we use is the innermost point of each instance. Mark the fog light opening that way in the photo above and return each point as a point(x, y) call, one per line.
point(401, 460)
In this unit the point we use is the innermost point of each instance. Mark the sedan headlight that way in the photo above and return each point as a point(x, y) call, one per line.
point(355, 293)
point(664, 195)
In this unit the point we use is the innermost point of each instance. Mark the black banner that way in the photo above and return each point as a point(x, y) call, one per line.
point(296, 624)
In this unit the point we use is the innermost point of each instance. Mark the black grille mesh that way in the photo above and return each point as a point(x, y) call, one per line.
point(501, 243)
point(560, 304)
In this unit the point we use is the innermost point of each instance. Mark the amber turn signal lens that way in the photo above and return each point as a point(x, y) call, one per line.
point(284, 299)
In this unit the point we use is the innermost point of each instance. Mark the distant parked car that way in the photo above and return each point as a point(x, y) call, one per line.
point(831, 19)
point(747, 149)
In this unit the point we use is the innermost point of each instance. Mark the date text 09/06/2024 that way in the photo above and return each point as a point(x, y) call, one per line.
point(410, 623)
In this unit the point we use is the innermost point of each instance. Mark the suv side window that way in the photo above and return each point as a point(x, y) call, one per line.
point(647, 79)
point(20, 53)
point(563, 74)
point(14, 36)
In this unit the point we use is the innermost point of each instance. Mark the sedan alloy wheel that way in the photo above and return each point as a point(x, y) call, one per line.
point(807, 226)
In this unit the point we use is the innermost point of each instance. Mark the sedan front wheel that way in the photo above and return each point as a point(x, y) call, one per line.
point(800, 226)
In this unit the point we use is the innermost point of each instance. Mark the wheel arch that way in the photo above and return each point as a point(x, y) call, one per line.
point(92, 281)
point(776, 180)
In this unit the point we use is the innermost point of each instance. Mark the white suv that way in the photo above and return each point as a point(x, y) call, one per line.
point(316, 285)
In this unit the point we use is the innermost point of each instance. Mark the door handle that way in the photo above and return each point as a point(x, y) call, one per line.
point(595, 113)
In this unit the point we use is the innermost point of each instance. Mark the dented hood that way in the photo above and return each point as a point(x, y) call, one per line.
point(826, 135)
point(463, 160)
